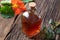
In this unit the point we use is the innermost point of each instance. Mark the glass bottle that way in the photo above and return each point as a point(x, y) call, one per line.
point(31, 23)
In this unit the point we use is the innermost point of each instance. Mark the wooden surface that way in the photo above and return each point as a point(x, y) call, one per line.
point(5, 25)
point(48, 9)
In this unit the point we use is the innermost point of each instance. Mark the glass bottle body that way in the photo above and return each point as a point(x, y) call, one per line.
point(31, 24)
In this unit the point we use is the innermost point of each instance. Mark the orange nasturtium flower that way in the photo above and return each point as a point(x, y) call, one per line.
point(18, 6)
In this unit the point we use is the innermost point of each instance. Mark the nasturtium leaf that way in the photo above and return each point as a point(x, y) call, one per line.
point(50, 34)
point(8, 4)
point(6, 11)
point(5, 1)
point(27, 0)
point(57, 30)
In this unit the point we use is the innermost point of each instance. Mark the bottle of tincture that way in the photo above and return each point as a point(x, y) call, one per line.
point(31, 23)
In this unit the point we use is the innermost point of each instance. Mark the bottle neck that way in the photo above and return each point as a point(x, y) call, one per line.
point(32, 9)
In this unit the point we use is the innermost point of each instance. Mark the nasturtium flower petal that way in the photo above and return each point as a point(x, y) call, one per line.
point(18, 6)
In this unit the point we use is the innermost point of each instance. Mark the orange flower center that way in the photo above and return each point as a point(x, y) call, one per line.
point(15, 6)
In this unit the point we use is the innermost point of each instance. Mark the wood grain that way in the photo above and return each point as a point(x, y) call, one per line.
point(48, 9)
point(5, 25)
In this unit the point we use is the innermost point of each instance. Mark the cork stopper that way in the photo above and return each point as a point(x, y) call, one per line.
point(32, 4)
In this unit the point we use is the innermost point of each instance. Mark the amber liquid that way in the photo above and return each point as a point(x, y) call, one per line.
point(31, 26)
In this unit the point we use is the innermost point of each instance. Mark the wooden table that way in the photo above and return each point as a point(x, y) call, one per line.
point(48, 9)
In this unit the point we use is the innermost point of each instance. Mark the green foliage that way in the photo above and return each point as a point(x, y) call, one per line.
point(50, 34)
point(5, 1)
point(57, 29)
point(47, 33)
point(50, 31)
point(27, 0)
point(6, 10)
point(6, 4)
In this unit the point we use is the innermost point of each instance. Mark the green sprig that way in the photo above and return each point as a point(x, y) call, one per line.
point(6, 10)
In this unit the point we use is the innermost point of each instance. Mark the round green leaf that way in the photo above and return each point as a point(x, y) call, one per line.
point(27, 0)
point(6, 11)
